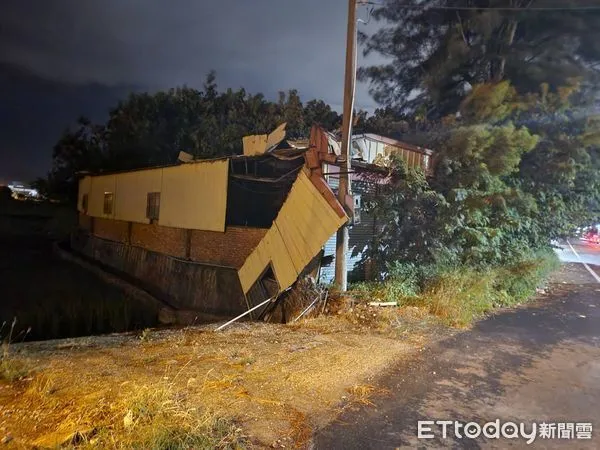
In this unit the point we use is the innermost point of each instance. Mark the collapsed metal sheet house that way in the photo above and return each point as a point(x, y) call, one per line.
point(217, 236)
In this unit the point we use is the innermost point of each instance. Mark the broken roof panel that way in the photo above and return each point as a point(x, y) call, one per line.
point(259, 144)
point(305, 222)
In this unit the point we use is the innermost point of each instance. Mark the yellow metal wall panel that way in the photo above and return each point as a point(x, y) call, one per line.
point(99, 186)
point(284, 269)
point(255, 144)
point(254, 265)
point(85, 185)
point(194, 196)
point(132, 190)
point(305, 222)
point(297, 252)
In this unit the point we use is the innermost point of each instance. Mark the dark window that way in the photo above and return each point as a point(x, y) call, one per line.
point(108, 202)
point(84, 203)
point(153, 206)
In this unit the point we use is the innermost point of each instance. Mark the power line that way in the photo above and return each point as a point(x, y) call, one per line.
point(485, 8)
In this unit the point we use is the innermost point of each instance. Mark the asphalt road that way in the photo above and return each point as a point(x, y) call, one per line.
point(525, 365)
point(580, 251)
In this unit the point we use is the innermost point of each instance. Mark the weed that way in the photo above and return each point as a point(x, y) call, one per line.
point(520, 280)
point(460, 295)
point(362, 393)
point(11, 368)
point(146, 335)
point(160, 417)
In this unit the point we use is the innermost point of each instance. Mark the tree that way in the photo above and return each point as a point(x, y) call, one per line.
point(147, 130)
point(319, 112)
point(79, 149)
point(512, 173)
point(562, 173)
point(292, 112)
point(406, 210)
point(437, 55)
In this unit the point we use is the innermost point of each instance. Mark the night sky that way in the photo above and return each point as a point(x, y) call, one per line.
point(61, 59)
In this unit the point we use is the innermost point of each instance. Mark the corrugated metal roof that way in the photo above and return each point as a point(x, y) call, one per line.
point(394, 142)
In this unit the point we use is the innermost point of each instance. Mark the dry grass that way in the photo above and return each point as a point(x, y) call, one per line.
point(12, 369)
point(157, 416)
point(195, 388)
point(362, 394)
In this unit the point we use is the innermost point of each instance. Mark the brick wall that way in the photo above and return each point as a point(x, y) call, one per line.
point(229, 249)
point(114, 230)
point(166, 240)
point(225, 249)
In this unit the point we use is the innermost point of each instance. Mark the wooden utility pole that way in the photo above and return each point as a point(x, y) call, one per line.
point(341, 247)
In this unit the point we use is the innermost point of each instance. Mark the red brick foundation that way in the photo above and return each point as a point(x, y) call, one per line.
point(228, 249)
point(114, 230)
point(225, 249)
point(166, 240)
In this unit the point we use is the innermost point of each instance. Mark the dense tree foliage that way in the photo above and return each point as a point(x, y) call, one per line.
point(151, 129)
point(512, 173)
point(504, 93)
point(436, 55)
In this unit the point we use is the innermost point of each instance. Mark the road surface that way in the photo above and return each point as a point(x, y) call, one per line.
point(580, 251)
point(528, 364)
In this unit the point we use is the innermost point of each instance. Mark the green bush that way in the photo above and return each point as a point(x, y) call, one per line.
point(461, 294)
point(520, 280)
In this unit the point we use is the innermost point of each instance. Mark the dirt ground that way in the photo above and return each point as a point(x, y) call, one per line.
point(280, 383)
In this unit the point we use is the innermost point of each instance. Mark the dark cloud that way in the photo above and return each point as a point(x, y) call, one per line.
point(89, 50)
point(35, 111)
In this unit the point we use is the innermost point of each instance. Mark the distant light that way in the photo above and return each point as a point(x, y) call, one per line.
point(20, 189)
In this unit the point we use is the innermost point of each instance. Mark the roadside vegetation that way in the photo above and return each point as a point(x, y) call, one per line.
point(460, 295)
point(507, 99)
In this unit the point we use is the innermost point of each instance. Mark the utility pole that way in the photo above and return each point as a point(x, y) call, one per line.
point(341, 246)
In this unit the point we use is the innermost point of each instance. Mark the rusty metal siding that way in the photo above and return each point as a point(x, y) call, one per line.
point(374, 150)
point(132, 190)
point(194, 196)
point(297, 235)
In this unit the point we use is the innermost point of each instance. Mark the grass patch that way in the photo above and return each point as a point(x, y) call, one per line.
point(11, 368)
point(158, 415)
point(460, 295)
point(161, 417)
point(194, 388)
